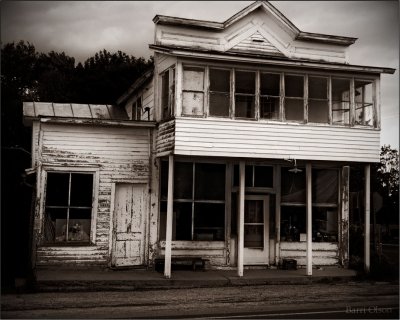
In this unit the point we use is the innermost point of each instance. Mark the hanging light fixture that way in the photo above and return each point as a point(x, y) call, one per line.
point(294, 169)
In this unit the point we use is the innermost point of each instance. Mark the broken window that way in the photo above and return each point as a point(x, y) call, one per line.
point(219, 92)
point(199, 201)
point(294, 97)
point(364, 102)
point(168, 93)
point(245, 88)
point(68, 208)
point(193, 91)
point(318, 103)
point(269, 95)
point(340, 101)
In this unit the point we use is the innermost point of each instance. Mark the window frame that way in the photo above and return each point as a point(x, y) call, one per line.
point(167, 113)
point(350, 101)
point(304, 98)
point(328, 99)
point(236, 94)
point(279, 97)
point(95, 187)
point(204, 91)
point(220, 92)
point(372, 103)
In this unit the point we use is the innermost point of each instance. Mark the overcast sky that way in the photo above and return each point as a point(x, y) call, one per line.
point(82, 28)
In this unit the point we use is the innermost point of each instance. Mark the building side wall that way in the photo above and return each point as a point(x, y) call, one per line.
point(119, 155)
point(248, 139)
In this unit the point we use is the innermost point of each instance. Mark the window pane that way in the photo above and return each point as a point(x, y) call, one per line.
point(341, 112)
point(55, 224)
point(254, 211)
point(57, 189)
point(219, 104)
point(324, 186)
point(317, 88)
point(340, 89)
point(269, 84)
point(324, 224)
point(183, 221)
point(79, 225)
point(193, 79)
point(269, 108)
point(209, 221)
point(294, 109)
point(263, 176)
point(364, 102)
point(163, 220)
point(294, 86)
point(245, 82)
point(210, 181)
point(81, 190)
point(183, 180)
point(192, 103)
point(244, 106)
point(293, 222)
point(165, 94)
point(220, 80)
point(293, 186)
point(318, 111)
point(164, 179)
point(254, 236)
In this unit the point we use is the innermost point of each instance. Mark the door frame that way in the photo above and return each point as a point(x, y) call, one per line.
point(266, 251)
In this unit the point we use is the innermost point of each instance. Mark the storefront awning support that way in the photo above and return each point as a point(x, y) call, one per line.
point(170, 202)
point(241, 218)
point(309, 219)
point(367, 234)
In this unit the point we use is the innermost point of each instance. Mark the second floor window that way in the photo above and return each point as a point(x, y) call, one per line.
point(318, 102)
point(340, 101)
point(245, 89)
point(168, 93)
point(269, 95)
point(193, 91)
point(363, 102)
point(294, 97)
point(219, 92)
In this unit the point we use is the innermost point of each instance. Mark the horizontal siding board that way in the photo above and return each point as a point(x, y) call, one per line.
point(211, 137)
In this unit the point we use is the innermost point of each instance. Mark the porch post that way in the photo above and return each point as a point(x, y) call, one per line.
point(241, 218)
point(367, 235)
point(344, 217)
point(168, 234)
point(309, 220)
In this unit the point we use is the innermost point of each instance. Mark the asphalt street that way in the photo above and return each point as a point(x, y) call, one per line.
point(353, 300)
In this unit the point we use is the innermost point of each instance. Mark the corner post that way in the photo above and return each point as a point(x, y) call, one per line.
point(168, 234)
point(309, 219)
point(241, 218)
point(367, 234)
point(344, 217)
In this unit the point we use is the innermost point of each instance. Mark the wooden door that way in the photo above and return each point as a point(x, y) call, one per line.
point(256, 230)
point(129, 225)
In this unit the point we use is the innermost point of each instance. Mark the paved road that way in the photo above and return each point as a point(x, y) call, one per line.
point(351, 301)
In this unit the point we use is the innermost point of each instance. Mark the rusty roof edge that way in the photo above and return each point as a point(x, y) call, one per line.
point(271, 59)
point(135, 86)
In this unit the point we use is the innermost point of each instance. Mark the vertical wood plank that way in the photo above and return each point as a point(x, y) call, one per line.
point(306, 98)
point(206, 92)
point(309, 219)
point(367, 173)
point(241, 218)
point(330, 116)
point(352, 103)
point(168, 233)
point(257, 100)
point(228, 210)
point(232, 109)
point(282, 98)
point(178, 88)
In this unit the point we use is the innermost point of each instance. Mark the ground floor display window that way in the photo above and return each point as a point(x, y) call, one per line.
point(68, 207)
point(324, 205)
point(199, 201)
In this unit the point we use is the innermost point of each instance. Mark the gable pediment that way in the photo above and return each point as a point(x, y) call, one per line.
point(260, 28)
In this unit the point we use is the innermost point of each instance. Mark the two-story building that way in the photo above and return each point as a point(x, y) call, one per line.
point(236, 148)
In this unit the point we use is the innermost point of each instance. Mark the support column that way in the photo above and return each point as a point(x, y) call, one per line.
point(170, 203)
point(344, 217)
point(277, 214)
point(367, 234)
point(309, 219)
point(241, 218)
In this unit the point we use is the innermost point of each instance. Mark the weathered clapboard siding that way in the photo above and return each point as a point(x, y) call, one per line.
point(236, 138)
point(323, 253)
point(214, 251)
point(148, 101)
point(257, 43)
point(35, 142)
point(164, 62)
point(119, 154)
point(165, 137)
point(89, 255)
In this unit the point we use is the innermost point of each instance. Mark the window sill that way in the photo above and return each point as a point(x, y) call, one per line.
point(68, 244)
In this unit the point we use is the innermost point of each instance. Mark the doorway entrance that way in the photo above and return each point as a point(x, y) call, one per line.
point(256, 230)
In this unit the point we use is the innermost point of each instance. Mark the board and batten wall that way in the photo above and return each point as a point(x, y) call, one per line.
point(266, 140)
point(119, 154)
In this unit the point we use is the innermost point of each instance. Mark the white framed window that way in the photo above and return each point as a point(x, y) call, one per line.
point(220, 92)
point(318, 99)
point(193, 91)
point(364, 103)
point(294, 97)
point(245, 94)
point(341, 101)
point(69, 206)
point(167, 79)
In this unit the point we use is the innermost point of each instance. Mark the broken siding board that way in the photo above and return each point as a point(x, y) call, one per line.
point(214, 137)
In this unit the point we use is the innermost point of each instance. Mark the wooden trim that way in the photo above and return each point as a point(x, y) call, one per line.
point(277, 186)
point(228, 209)
point(241, 218)
point(352, 115)
point(170, 203)
point(309, 218)
point(112, 223)
point(282, 116)
point(257, 96)
point(232, 106)
point(367, 218)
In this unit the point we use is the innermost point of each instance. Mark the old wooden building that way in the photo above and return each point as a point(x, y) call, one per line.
point(235, 149)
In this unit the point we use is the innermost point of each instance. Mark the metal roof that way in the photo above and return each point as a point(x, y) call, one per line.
point(73, 110)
